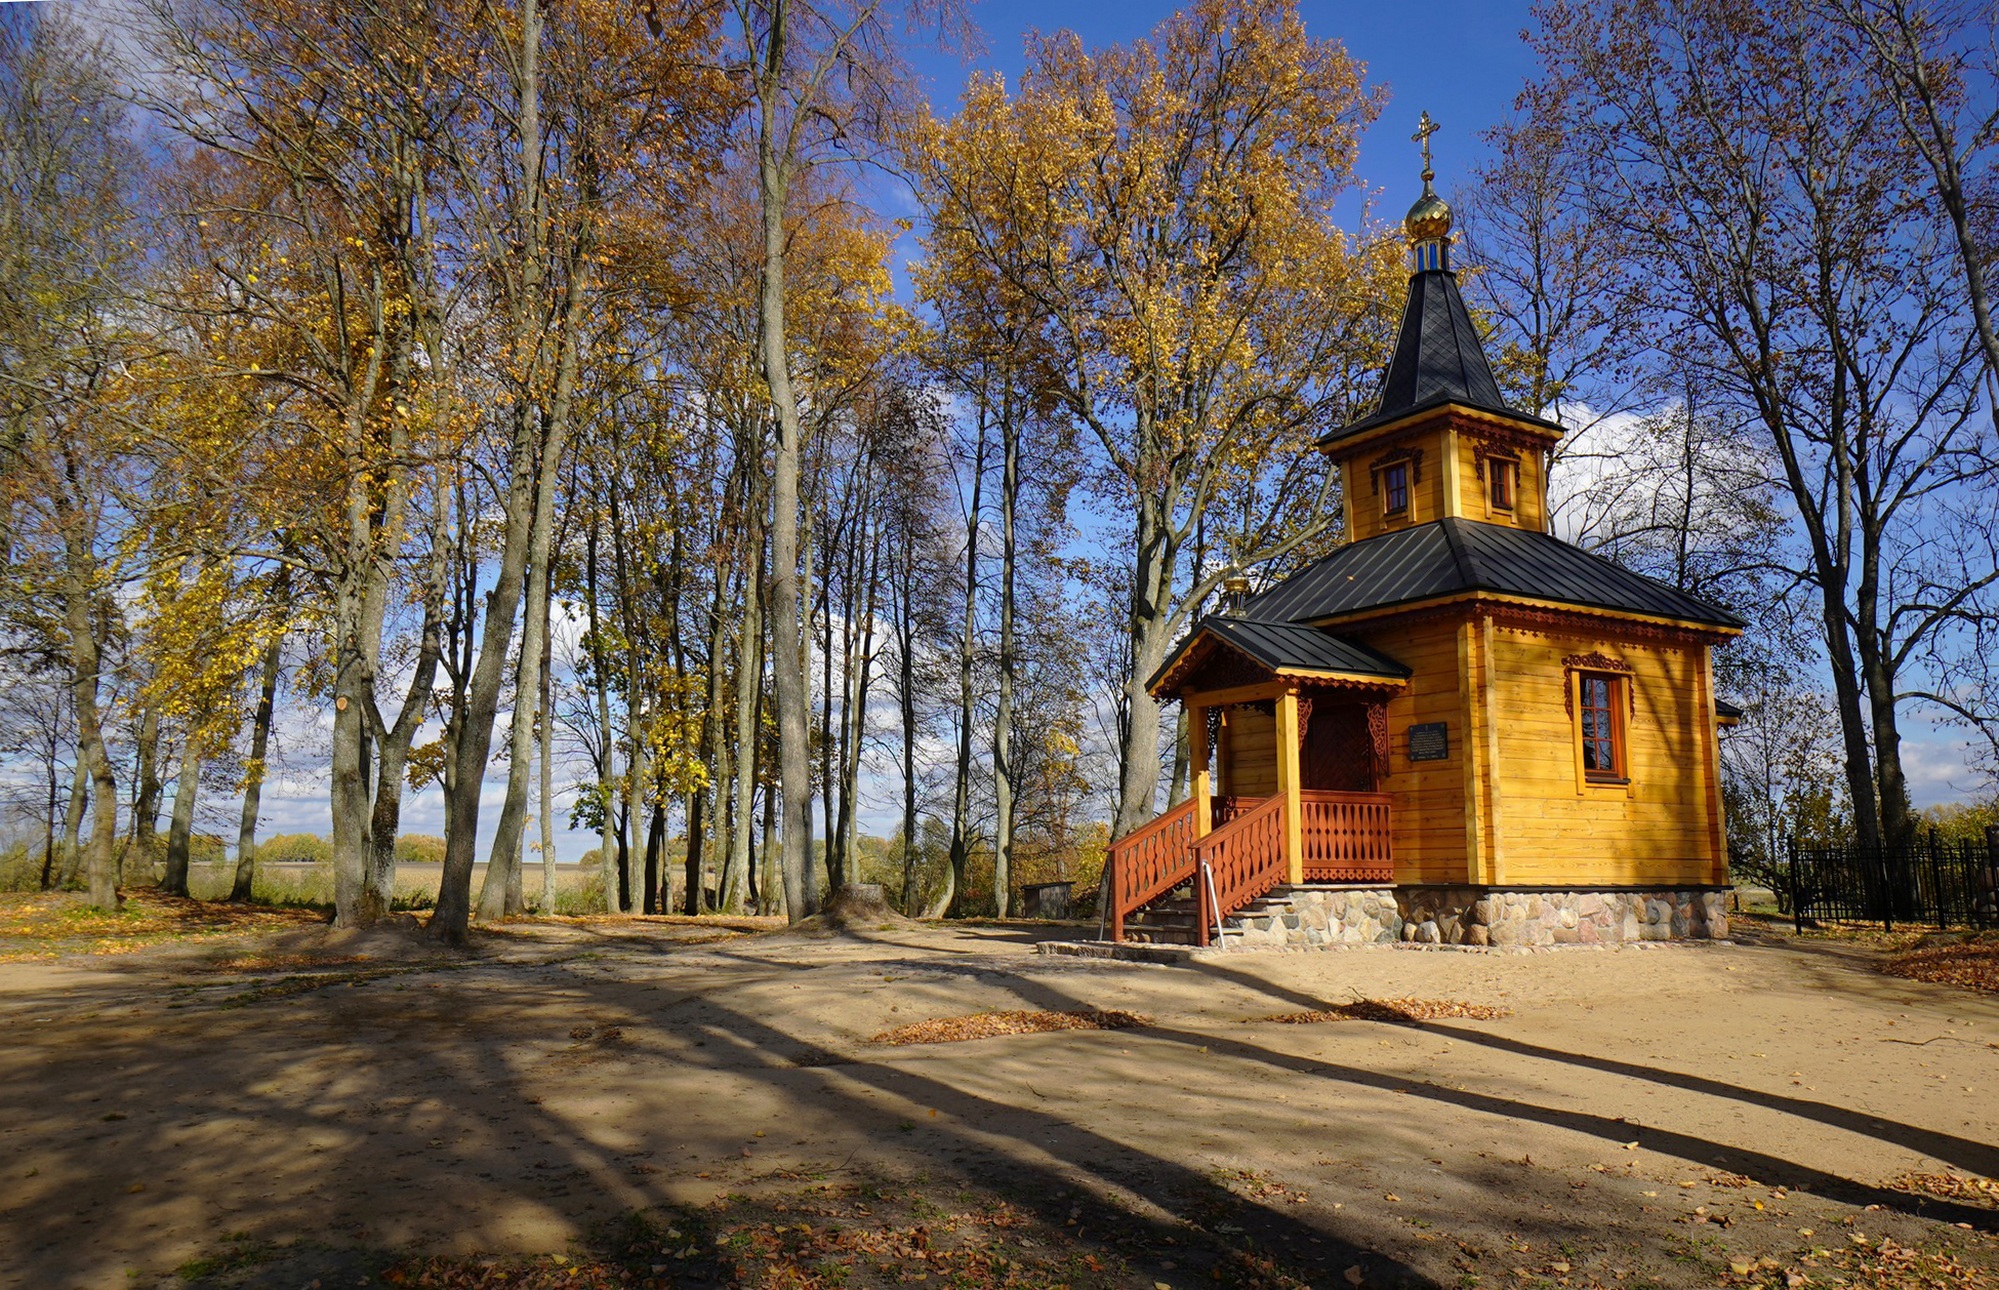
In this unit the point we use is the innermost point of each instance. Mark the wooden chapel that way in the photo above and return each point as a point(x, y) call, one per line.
point(1456, 728)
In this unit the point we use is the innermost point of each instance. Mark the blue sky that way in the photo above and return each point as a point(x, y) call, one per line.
point(1462, 62)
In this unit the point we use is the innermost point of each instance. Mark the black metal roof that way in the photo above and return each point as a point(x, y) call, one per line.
point(1286, 647)
point(1438, 359)
point(1294, 645)
point(1452, 556)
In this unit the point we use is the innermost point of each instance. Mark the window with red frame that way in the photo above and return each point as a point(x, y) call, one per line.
point(1502, 477)
point(1602, 725)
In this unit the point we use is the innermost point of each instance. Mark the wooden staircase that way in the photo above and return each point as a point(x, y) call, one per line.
point(1168, 882)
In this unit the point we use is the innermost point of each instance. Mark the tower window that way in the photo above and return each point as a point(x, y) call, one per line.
point(1502, 481)
point(1395, 489)
point(1602, 726)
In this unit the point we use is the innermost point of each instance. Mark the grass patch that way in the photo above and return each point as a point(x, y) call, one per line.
point(239, 1251)
point(49, 925)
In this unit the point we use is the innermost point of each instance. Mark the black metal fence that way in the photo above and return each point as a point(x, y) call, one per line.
point(1932, 882)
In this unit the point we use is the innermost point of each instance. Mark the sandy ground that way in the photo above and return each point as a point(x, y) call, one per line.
point(1653, 1116)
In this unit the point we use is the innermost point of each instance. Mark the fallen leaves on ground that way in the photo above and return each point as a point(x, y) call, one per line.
point(47, 925)
point(1259, 1184)
point(868, 1236)
point(1407, 1012)
point(235, 963)
point(1865, 1265)
point(986, 1025)
point(1973, 965)
point(1967, 1188)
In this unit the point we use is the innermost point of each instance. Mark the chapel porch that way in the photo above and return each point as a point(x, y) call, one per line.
point(1287, 735)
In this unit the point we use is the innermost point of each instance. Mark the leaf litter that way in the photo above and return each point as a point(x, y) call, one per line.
point(988, 1025)
point(1973, 965)
point(1401, 1012)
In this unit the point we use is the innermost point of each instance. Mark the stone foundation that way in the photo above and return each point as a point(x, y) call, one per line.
point(1476, 916)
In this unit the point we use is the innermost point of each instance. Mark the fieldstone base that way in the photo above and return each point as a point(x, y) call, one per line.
point(1479, 916)
point(1321, 916)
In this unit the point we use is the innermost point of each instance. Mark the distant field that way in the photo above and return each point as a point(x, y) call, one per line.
point(416, 884)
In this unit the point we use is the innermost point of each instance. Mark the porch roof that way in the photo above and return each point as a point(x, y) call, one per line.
point(1295, 649)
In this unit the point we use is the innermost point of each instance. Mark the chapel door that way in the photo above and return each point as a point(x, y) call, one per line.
point(1338, 754)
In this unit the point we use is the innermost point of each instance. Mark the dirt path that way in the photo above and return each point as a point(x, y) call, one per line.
point(1680, 1116)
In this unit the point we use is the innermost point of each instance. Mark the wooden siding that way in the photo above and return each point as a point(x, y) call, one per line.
point(1249, 766)
point(1513, 756)
point(1450, 486)
point(1528, 510)
point(1555, 828)
point(1427, 500)
point(1428, 796)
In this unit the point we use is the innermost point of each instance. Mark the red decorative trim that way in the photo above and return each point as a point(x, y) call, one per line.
point(1204, 651)
point(1377, 729)
point(1304, 718)
point(1487, 437)
point(1595, 662)
point(1481, 452)
point(1414, 456)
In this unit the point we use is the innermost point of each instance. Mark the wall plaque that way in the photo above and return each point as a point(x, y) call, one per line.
point(1430, 742)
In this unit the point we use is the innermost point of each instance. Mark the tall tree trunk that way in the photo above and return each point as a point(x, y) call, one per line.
point(49, 824)
point(546, 729)
point(146, 808)
point(180, 834)
point(638, 784)
point(749, 694)
point(905, 640)
point(350, 799)
point(541, 437)
point(392, 740)
point(950, 902)
point(610, 837)
point(1177, 787)
point(794, 702)
point(828, 785)
point(860, 670)
point(655, 842)
point(1003, 787)
point(253, 774)
point(775, 892)
point(72, 824)
point(86, 657)
point(697, 803)
point(1148, 626)
point(500, 895)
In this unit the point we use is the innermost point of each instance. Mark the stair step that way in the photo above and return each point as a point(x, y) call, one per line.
point(1158, 936)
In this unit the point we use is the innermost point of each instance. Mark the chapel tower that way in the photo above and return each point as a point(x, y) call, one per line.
point(1440, 442)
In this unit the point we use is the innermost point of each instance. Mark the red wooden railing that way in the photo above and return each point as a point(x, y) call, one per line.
point(1238, 862)
point(1347, 837)
point(1148, 862)
point(1226, 808)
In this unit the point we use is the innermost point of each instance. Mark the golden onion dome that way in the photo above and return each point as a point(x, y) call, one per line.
point(1429, 219)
